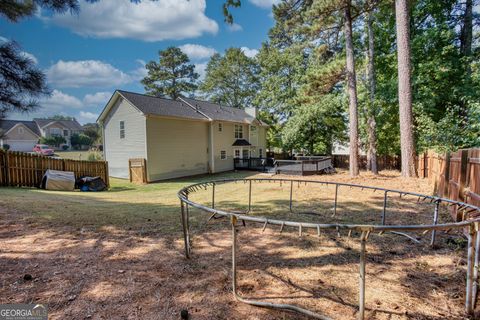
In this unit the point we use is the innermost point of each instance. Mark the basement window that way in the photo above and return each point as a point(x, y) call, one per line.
point(223, 155)
point(122, 129)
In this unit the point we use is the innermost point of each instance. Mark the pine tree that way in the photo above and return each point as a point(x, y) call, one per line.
point(171, 76)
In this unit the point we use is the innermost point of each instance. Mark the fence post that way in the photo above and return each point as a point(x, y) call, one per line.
point(7, 169)
point(107, 175)
point(463, 175)
point(446, 184)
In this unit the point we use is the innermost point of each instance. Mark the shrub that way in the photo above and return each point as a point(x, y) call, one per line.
point(79, 140)
point(94, 156)
point(53, 140)
point(6, 147)
point(65, 147)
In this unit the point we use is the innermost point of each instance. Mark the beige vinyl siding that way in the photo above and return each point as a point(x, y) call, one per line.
point(176, 148)
point(15, 134)
point(117, 151)
point(223, 141)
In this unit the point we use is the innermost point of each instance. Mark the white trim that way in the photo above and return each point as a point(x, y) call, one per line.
point(18, 124)
point(211, 149)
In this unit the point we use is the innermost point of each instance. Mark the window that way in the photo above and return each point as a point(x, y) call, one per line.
point(245, 154)
point(260, 153)
point(223, 155)
point(253, 129)
point(65, 133)
point(55, 132)
point(237, 153)
point(122, 129)
point(220, 127)
point(238, 131)
point(20, 130)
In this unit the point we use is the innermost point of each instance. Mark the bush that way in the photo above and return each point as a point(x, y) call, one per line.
point(79, 140)
point(94, 156)
point(55, 141)
point(65, 147)
point(6, 147)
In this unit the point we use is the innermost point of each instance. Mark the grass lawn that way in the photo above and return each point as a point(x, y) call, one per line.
point(76, 155)
point(119, 254)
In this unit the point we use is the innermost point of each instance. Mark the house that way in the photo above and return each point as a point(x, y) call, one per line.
point(177, 137)
point(22, 135)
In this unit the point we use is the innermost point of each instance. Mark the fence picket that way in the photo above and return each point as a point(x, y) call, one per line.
point(26, 170)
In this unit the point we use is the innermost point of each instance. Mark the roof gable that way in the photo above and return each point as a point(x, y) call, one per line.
point(69, 124)
point(7, 125)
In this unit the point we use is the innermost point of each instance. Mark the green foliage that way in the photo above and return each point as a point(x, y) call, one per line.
point(92, 130)
point(94, 156)
point(55, 141)
point(6, 146)
point(313, 127)
point(59, 117)
point(231, 79)
point(65, 147)
point(171, 76)
point(79, 140)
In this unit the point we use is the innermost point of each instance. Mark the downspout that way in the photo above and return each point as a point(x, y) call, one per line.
point(210, 149)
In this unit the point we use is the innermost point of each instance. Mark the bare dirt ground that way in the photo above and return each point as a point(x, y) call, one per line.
point(114, 272)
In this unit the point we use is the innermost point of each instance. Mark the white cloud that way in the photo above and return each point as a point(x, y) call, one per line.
point(30, 56)
point(86, 73)
point(265, 3)
point(249, 52)
point(200, 68)
point(145, 20)
point(234, 27)
point(197, 51)
point(139, 73)
point(59, 101)
point(85, 117)
point(97, 99)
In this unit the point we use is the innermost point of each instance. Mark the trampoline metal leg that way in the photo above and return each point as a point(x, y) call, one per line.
point(185, 230)
point(472, 234)
point(361, 297)
point(384, 211)
point(435, 221)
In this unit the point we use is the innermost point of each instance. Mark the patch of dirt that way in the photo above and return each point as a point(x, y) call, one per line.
point(114, 273)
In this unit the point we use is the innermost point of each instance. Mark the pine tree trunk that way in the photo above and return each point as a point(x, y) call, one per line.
point(405, 88)
point(467, 29)
point(371, 123)
point(352, 91)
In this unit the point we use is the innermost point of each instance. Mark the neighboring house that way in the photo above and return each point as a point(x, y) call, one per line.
point(19, 135)
point(64, 128)
point(344, 149)
point(177, 137)
point(23, 135)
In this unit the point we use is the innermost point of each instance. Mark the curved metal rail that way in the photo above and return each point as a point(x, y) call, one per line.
point(472, 224)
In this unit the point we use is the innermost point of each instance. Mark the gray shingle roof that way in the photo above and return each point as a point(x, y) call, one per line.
point(6, 125)
point(69, 124)
point(160, 106)
point(221, 113)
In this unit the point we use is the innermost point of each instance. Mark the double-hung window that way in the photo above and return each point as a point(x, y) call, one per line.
point(238, 131)
point(223, 155)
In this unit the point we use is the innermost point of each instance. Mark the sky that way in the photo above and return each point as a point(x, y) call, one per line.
point(86, 56)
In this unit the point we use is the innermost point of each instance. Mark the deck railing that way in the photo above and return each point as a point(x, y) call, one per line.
point(303, 167)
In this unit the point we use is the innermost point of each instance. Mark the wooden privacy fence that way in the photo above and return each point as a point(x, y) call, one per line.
point(455, 175)
point(26, 170)
point(383, 162)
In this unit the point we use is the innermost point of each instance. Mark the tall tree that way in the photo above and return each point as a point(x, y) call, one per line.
point(171, 76)
point(352, 90)
point(407, 145)
point(370, 106)
point(231, 79)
